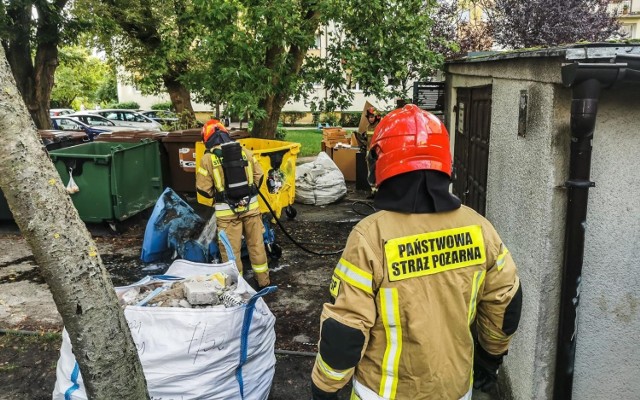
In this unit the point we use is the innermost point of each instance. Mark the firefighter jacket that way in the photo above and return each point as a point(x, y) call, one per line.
point(210, 183)
point(406, 292)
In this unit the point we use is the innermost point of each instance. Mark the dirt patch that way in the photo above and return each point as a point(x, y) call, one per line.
point(27, 363)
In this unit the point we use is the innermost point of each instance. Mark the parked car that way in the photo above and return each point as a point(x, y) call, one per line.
point(128, 118)
point(69, 124)
point(101, 122)
point(55, 112)
point(164, 117)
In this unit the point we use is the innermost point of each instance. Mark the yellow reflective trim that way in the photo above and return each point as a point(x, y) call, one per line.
point(390, 312)
point(354, 396)
point(202, 171)
point(354, 276)
point(504, 339)
point(333, 374)
point(434, 252)
point(478, 279)
point(215, 160)
point(223, 209)
point(334, 287)
point(248, 169)
point(218, 180)
point(260, 268)
point(501, 256)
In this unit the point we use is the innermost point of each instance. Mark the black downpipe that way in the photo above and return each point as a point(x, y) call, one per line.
point(587, 81)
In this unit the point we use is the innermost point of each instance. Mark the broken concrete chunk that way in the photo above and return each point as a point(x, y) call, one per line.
point(200, 293)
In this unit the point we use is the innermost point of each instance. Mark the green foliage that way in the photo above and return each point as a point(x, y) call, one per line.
point(330, 118)
point(290, 117)
point(78, 77)
point(108, 90)
point(166, 105)
point(350, 118)
point(127, 105)
point(379, 47)
point(281, 133)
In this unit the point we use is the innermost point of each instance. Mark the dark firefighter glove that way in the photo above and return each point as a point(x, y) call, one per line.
point(485, 369)
point(319, 394)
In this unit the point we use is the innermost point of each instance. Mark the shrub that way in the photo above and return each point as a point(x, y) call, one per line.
point(350, 118)
point(167, 105)
point(127, 105)
point(330, 118)
point(289, 118)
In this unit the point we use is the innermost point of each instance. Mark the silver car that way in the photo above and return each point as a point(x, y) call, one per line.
point(101, 122)
point(128, 118)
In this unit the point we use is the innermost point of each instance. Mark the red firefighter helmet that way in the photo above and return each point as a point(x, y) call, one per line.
point(210, 127)
point(409, 139)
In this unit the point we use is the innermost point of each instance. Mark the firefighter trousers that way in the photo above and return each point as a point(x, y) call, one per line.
point(251, 225)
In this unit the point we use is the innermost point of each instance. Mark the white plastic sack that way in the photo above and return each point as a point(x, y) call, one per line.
point(319, 182)
point(193, 353)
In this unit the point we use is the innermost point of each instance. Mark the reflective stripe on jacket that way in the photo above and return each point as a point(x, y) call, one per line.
point(413, 284)
point(210, 181)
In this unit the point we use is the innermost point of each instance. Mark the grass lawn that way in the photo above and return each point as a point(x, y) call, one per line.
point(309, 139)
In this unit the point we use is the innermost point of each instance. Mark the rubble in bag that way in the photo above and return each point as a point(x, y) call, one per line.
point(205, 291)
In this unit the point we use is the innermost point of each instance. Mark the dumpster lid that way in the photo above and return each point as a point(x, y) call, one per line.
point(53, 134)
point(186, 135)
point(131, 135)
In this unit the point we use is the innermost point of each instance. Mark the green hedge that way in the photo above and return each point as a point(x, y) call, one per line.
point(128, 105)
point(166, 105)
point(289, 118)
point(350, 118)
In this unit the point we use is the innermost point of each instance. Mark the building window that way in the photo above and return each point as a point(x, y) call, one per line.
point(318, 43)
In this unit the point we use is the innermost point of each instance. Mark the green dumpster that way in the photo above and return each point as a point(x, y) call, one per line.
point(116, 180)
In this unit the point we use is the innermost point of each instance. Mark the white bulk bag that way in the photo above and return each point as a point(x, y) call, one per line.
point(207, 353)
point(319, 182)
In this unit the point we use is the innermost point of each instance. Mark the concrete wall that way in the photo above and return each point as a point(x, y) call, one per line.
point(608, 354)
point(527, 207)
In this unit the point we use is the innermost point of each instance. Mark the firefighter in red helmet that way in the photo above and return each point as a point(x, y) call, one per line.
point(414, 278)
point(230, 175)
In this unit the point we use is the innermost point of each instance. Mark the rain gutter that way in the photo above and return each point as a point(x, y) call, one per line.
point(587, 81)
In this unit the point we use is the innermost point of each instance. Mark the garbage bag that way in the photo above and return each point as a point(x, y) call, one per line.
point(319, 182)
point(193, 353)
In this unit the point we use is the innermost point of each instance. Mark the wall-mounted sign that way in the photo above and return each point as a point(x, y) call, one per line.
point(429, 96)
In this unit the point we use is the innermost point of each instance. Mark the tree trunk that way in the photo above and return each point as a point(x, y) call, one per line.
point(66, 254)
point(181, 100)
point(266, 128)
point(34, 79)
point(272, 104)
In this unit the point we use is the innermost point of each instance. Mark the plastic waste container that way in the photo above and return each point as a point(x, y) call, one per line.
point(52, 140)
point(137, 137)
point(278, 161)
point(116, 180)
point(181, 149)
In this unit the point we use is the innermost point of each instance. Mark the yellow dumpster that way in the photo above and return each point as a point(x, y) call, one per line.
point(278, 161)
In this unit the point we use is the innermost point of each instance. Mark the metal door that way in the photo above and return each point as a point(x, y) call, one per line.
point(471, 150)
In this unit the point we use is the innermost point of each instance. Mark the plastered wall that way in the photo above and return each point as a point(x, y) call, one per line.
point(526, 203)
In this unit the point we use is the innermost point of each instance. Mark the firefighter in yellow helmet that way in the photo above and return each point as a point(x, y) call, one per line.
point(231, 176)
point(414, 278)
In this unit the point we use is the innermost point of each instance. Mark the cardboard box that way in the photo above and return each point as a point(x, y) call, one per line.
point(345, 159)
point(336, 131)
point(334, 142)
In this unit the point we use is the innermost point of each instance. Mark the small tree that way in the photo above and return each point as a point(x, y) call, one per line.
point(66, 254)
point(522, 24)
